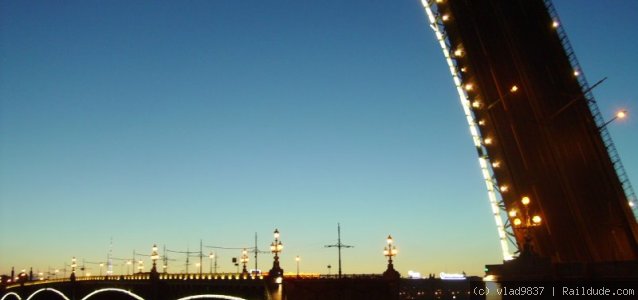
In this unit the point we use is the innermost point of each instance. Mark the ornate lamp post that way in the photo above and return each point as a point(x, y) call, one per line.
point(525, 221)
point(389, 251)
point(276, 247)
point(244, 261)
point(73, 265)
point(154, 257)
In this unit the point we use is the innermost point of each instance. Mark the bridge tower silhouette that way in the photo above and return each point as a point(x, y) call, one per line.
point(538, 132)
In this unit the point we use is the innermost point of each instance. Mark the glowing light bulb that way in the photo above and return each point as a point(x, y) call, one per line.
point(469, 87)
point(621, 114)
point(536, 219)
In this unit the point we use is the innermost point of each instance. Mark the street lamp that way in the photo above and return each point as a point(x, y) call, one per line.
point(154, 257)
point(525, 221)
point(244, 261)
point(73, 265)
point(140, 266)
point(390, 251)
point(128, 266)
point(297, 259)
point(512, 90)
point(621, 114)
point(276, 247)
point(101, 265)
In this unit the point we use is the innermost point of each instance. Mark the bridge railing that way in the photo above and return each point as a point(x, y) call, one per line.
point(209, 276)
point(335, 276)
point(145, 276)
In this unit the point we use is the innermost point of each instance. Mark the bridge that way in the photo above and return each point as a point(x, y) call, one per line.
point(146, 286)
point(557, 188)
point(235, 286)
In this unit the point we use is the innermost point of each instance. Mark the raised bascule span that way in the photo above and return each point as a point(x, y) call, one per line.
point(554, 179)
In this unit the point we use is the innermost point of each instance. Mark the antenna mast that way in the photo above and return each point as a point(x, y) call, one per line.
point(109, 261)
point(256, 252)
point(339, 245)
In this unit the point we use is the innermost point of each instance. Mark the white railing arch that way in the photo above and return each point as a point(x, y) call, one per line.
point(48, 289)
point(211, 296)
point(112, 290)
point(9, 294)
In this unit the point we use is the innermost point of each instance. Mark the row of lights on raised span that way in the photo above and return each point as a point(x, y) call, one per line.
point(556, 24)
point(470, 87)
point(488, 140)
point(445, 17)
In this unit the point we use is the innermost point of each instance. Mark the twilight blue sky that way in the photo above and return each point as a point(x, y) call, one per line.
point(169, 122)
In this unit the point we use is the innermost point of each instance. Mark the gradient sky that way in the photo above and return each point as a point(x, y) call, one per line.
point(169, 122)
